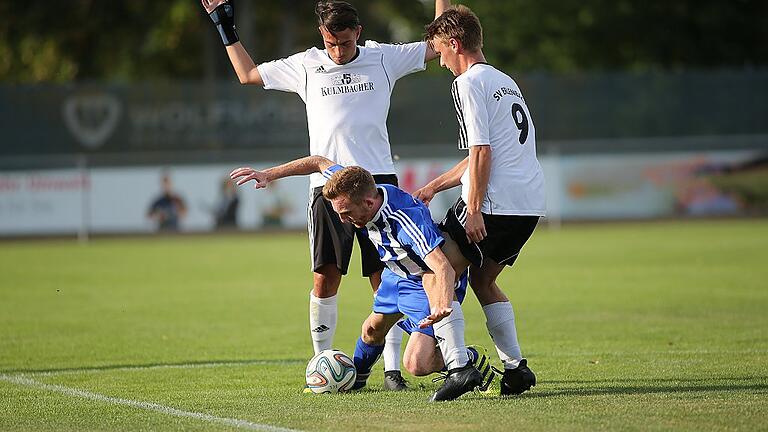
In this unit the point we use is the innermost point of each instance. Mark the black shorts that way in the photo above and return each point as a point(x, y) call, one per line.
point(506, 235)
point(330, 240)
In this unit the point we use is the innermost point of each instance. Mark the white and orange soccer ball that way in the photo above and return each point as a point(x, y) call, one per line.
point(330, 371)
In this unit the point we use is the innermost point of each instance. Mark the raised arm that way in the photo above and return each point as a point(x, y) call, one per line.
point(447, 180)
point(222, 13)
point(245, 68)
point(440, 7)
point(303, 166)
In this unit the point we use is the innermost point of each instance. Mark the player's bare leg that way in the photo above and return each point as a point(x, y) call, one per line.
point(323, 309)
point(483, 283)
point(422, 355)
point(455, 257)
point(500, 321)
point(376, 326)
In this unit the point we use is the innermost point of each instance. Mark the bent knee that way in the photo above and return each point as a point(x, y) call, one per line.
point(372, 335)
point(417, 366)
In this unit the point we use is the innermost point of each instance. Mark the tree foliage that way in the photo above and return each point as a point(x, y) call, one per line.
point(625, 34)
point(137, 40)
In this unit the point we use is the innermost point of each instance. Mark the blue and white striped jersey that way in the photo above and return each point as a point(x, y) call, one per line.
point(402, 230)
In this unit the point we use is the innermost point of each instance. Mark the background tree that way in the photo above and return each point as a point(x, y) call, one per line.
point(141, 40)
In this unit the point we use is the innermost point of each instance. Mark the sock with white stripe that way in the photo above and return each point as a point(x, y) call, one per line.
point(322, 321)
point(449, 333)
point(394, 342)
point(500, 321)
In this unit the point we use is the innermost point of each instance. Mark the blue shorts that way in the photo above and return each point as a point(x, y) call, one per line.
point(407, 296)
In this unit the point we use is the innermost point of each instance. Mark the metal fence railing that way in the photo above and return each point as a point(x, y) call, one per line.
point(616, 112)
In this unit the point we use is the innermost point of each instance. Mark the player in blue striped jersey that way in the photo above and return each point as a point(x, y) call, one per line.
point(408, 242)
point(402, 228)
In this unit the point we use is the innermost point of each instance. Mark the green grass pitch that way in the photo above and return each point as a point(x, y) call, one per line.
point(637, 326)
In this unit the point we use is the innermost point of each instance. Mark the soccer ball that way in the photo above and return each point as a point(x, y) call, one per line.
point(330, 371)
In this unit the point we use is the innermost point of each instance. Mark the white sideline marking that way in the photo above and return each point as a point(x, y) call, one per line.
point(149, 406)
point(154, 367)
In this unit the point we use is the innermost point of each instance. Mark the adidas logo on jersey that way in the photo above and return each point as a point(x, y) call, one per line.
point(321, 69)
point(320, 329)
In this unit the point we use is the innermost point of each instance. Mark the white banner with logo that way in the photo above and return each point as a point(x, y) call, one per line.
point(118, 200)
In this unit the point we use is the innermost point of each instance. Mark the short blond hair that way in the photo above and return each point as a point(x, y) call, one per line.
point(460, 23)
point(353, 182)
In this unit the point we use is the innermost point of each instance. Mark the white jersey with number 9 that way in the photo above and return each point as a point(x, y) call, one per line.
point(491, 111)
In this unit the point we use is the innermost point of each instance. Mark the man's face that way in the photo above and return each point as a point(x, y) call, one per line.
point(447, 49)
point(358, 214)
point(342, 45)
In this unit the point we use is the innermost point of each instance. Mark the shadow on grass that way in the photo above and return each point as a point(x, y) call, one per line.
point(657, 380)
point(158, 365)
point(654, 386)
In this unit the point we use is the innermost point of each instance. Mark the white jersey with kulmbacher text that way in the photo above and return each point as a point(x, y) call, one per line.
point(347, 105)
point(491, 111)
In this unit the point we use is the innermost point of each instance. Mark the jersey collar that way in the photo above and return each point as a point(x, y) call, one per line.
point(357, 54)
point(479, 63)
point(384, 203)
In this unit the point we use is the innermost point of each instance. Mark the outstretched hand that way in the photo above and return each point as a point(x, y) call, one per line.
point(436, 316)
point(211, 5)
point(245, 174)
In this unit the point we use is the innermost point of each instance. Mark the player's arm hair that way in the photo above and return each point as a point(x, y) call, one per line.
point(450, 178)
point(479, 173)
point(439, 283)
point(440, 7)
point(304, 166)
point(244, 66)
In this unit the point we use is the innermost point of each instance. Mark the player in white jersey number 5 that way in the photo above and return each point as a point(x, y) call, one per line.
point(502, 195)
point(346, 88)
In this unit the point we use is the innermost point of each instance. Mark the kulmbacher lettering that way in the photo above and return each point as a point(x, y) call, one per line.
point(355, 88)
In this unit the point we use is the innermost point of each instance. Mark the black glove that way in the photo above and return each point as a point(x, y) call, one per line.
point(224, 18)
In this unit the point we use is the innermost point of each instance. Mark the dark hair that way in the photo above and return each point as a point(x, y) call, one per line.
point(460, 23)
point(336, 16)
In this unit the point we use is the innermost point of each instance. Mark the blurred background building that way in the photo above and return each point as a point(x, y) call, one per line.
point(643, 109)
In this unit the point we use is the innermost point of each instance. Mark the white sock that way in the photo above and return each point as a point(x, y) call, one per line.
point(449, 333)
point(392, 346)
point(322, 321)
point(500, 320)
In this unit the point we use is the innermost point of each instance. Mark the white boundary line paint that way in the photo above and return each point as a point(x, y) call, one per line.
point(149, 406)
point(157, 367)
